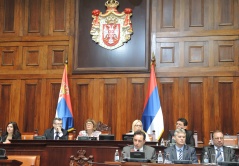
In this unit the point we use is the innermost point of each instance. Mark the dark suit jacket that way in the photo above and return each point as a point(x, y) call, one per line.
point(189, 153)
point(16, 136)
point(49, 134)
point(189, 137)
point(149, 151)
point(228, 153)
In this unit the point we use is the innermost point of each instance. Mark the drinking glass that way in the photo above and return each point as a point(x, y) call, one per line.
point(213, 159)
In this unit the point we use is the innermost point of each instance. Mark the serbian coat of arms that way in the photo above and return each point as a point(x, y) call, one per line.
point(111, 29)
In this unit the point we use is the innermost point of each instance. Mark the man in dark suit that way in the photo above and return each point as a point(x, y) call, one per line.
point(57, 132)
point(139, 141)
point(181, 151)
point(221, 152)
point(182, 123)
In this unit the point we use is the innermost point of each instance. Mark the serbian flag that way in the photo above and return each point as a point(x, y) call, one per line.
point(64, 109)
point(152, 117)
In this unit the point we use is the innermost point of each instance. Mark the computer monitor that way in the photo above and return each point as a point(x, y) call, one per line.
point(86, 138)
point(106, 137)
point(137, 155)
point(39, 138)
point(3, 153)
point(127, 137)
point(182, 162)
point(225, 163)
point(83, 138)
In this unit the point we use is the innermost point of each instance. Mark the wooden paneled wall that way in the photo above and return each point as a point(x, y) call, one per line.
point(196, 47)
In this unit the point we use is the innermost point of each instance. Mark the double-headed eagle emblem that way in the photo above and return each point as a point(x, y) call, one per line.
point(111, 29)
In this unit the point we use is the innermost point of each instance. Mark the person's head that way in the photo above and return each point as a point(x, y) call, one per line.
point(12, 128)
point(180, 137)
point(57, 123)
point(181, 123)
point(218, 138)
point(137, 125)
point(139, 139)
point(90, 125)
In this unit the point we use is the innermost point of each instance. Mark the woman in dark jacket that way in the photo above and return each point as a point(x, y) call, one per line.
point(12, 132)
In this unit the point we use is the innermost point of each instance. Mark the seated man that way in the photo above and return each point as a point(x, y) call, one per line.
point(139, 141)
point(182, 124)
point(57, 132)
point(180, 151)
point(221, 152)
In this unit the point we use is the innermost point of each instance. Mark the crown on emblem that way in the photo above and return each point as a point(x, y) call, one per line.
point(112, 3)
point(111, 20)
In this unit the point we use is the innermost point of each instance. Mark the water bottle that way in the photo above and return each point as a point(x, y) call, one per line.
point(162, 142)
point(205, 158)
point(116, 155)
point(160, 157)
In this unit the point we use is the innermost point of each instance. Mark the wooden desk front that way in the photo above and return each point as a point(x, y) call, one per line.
point(58, 152)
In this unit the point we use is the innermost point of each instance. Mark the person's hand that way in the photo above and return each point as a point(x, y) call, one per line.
point(7, 142)
point(58, 129)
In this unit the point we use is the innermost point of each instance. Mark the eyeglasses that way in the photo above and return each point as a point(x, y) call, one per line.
point(58, 124)
point(138, 125)
point(219, 138)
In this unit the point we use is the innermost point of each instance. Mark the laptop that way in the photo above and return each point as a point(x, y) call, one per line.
point(182, 162)
point(228, 163)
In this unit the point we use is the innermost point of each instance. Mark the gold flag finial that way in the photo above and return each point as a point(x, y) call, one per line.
point(153, 60)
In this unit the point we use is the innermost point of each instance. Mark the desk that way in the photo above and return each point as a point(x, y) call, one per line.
point(10, 163)
point(58, 152)
point(145, 164)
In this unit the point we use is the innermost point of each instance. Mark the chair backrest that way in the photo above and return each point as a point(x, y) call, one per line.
point(81, 159)
point(26, 160)
point(105, 129)
point(231, 141)
point(28, 135)
point(72, 135)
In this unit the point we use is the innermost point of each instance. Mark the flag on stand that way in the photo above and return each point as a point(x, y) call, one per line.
point(64, 109)
point(152, 117)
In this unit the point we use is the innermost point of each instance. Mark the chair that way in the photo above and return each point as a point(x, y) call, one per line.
point(105, 129)
point(28, 136)
point(72, 134)
point(26, 159)
point(81, 159)
point(231, 141)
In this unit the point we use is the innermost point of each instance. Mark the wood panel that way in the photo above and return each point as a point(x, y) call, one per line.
point(197, 63)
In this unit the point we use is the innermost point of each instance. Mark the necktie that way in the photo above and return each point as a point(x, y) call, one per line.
point(219, 155)
point(180, 156)
point(57, 136)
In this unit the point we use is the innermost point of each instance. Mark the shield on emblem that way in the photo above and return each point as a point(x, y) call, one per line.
point(111, 34)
